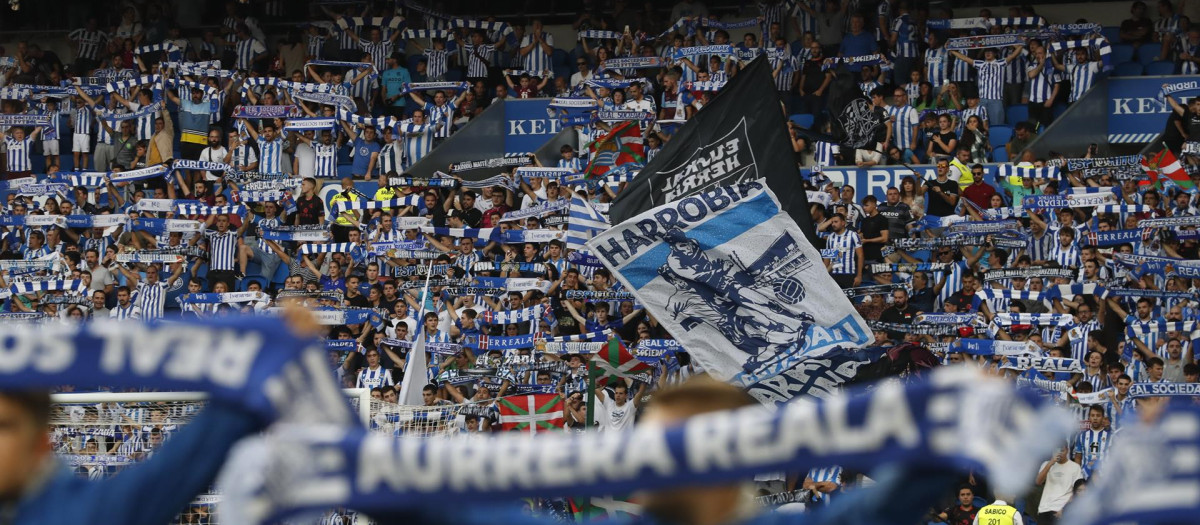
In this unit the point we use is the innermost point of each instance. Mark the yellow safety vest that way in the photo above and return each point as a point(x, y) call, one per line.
point(339, 197)
point(967, 178)
point(996, 515)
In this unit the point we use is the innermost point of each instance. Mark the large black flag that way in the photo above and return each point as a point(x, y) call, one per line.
point(741, 135)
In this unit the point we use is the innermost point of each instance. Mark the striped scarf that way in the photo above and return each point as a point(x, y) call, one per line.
point(363, 204)
point(201, 209)
point(334, 247)
point(523, 315)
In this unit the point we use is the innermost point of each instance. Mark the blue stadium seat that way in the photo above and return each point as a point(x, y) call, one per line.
point(1000, 154)
point(803, 120)
point(1015, 114)
point(1112, 33)
point(1160, 67)
point(242, 286)
point(558, 57)
point(1121, 53)
point(1128, 69)
point(999, 135)
point(281, 274)
point(1148, 53)
point(562, 71)
point(454, 75)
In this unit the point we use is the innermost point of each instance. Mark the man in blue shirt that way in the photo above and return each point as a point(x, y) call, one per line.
point(393, 79)
point(857, 42)
point(366, 153)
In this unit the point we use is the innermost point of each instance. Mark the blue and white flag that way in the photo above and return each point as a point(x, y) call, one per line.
point(155, 205)
point(73, 286)
point(161, 226)
point(1149, 474)
point(735, 280)
point(584, 223)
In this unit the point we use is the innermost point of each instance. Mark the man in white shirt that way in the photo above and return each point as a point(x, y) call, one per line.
point(1057, 478)
point(583, 74)
point(305, 158)
point(636, 101)
point(618, 411)
point(215, 152)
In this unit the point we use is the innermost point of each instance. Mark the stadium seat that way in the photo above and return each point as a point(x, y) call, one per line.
point(1160, 67)
point(1000, 154)
point(454, 75)
point(1128, 69)
point(558, 57)
point(1059, 109)
point(1148, 53)
point(1112, 33)
point(803, 120)
point(562, 71)
point(281, 275)
point(242, 286)
point(1121, 53)
point(999, 135)
point(1015, 114)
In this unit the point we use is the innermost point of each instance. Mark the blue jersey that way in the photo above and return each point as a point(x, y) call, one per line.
point(362, 154)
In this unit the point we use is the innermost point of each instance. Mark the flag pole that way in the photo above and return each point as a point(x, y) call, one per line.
point(590, 402)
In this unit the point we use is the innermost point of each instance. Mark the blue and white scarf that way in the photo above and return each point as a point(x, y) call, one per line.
point(456, 87)
point(164, 47)
point(155, 205)
point(161, 226)
point(36, 221)
point(513, 284)
point(1112, 238)
point(335, 247)
point(634, 63)
point(499, 162)
point(983, 42)
point(161, 170)
point(523, 315)
point(151, 257)
point(303, 124)
point(1170, 222)
point(374, 122)
point(1070, 200)
point(1100, 44)
point(426, 33)
point(599, 34)
point(72, 286)
point(228, 298)
point(107, 220)
point(491, 27)
point(871, 59)
point(435, 182)
point(295, 234)
point(1137, 390)
point(900, 423)
point(1030, 172)
point(184, 208)
point(1043, 364)
point(546, 208)
point(23, 120)
point(200, 165)
point(327, 99)
point(500, 266)
point(1009, 319)
point(723, 50)
point(242, 356)
point(362, 204)
point(524, 236)
point(993, 347)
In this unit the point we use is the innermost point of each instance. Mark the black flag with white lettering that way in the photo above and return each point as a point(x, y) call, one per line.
point(741, 135)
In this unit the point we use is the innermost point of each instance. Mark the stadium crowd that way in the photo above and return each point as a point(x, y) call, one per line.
point(927, 264)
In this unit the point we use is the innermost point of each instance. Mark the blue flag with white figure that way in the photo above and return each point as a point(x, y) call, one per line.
point(733, 278)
